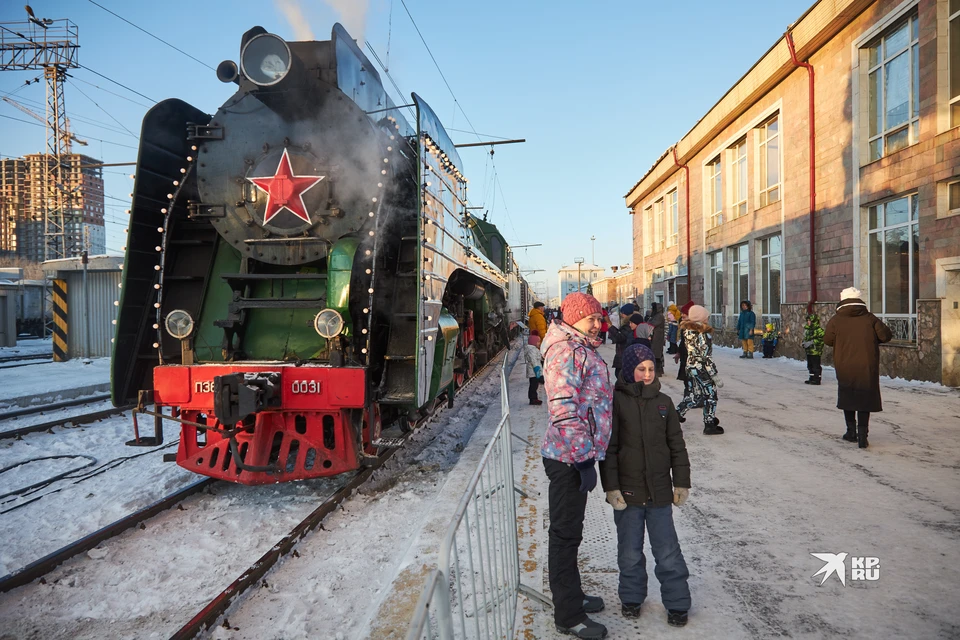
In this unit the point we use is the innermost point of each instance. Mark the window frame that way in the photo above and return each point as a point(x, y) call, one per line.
point(735, 272)
point(647, 230)
point(715, 267)
point(953, 210)
point(954, 102)
point(769, 193)
point(912, 223)
point(659, 232)
point(714, 185)
point(765, 289)
point(738, 178)
point(912, 124)
point(673, 200)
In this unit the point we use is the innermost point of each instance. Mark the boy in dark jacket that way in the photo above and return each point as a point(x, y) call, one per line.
point(646, 446)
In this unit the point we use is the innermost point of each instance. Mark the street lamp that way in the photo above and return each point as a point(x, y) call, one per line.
point(579, 262)
point(593, 253)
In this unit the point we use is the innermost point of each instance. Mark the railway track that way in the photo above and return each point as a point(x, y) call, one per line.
point(33, 356)
point(252, 576)
point(64, 404)
point(84, 418)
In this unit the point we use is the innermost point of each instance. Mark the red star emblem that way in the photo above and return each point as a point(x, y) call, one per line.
point(285, 190)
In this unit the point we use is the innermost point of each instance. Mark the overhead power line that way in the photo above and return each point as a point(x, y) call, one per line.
point(119, 84)
point(37, 124)
point(152, 35)
point(109, 115)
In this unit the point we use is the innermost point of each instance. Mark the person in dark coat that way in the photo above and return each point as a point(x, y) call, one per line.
point(856, 335)
point(658, 339)
point(646, 447)
point(621, 336)
point(642, 331)
point(746, 323)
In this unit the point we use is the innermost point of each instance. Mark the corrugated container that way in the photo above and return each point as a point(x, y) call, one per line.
point(97, 312)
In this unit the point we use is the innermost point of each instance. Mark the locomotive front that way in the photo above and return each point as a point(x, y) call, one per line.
point(266, 220)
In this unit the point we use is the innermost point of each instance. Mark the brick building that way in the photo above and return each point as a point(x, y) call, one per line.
point(616, 289)
point(734, 198)
point(22, 206)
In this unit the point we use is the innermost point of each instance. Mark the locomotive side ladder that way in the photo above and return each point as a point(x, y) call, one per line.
point(399, 380)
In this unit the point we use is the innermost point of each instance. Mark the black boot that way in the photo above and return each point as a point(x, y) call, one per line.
point(862, 437)
point(851, 434)
point(712, 428)
point(813, 380)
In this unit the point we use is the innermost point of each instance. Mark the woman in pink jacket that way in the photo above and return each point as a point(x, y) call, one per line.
point(580, 400)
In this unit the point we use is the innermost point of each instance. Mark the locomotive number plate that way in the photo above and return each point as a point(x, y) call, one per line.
point(203, 386)
point(305, 386)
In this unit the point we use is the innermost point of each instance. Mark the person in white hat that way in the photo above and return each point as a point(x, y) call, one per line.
point(856, 335)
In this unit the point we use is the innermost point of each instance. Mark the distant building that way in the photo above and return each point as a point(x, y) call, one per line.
point(578, 275)
point(616, 289)
point(738, 201)
point(22, 205)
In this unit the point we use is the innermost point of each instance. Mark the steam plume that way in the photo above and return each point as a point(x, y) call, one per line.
point(353, 15)
point(293, 12)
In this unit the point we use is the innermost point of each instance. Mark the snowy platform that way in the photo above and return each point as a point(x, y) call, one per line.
point(47, 382)
point(779, 485)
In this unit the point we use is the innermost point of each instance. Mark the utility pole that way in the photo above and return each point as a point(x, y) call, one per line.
point(579, 262)
point(593, 253)
point(50, 45)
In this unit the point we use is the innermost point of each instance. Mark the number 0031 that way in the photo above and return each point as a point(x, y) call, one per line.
point(305, 386)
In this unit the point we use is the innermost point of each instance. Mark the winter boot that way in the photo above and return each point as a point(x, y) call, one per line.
point(677, 618)
point(862, 438)
point(744, 355)
point(630, 610)
point(813, 380)
point(851, 434)
point(750, 354)
point(712, 428)
point(592, 604)
point(586, 629)
point(536, 402)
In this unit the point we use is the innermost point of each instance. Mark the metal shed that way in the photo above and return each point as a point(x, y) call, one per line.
point(91, 298)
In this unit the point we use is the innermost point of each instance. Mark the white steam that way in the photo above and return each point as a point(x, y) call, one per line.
point(293, 12)
point(353, 15)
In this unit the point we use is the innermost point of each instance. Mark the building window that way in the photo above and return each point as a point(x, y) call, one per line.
point(770, 162)
point(716, 286)
point(893, 82)
point(647, 231)
point(673, 217)
point(770, 265)
point(659, 232)
point(715, 188)
point(738, 178)
point(741, 273)
point(893, 256)
point(954, 63)
point(953, 195)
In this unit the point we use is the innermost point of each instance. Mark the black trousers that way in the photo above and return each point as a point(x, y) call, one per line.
point(658, 366)
point(532, 389)
point(857, 419)
point(567, 508)
point(813, 366)
point(603, 337)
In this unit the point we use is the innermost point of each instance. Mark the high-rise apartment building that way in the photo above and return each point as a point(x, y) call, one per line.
point(23, 202)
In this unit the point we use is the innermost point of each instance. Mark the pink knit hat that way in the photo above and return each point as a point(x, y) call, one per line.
point(698, 314)
point(534, 339)
point(578, 306)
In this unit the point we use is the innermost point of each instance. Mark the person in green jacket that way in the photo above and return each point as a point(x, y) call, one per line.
point(813, 345)
point(645, 448)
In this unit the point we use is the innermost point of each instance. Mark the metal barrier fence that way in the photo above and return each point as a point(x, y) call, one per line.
point(473, 591)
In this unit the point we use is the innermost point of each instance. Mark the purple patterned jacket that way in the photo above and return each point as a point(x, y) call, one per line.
point(579, 396)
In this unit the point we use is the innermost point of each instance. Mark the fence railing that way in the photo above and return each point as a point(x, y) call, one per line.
point(473, 591)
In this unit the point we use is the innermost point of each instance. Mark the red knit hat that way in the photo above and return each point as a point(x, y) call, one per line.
point(685, 309)
point(578, 306)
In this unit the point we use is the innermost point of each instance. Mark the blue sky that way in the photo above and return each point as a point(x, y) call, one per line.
point(599, 90)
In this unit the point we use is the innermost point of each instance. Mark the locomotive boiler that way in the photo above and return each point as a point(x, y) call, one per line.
point(301, 268)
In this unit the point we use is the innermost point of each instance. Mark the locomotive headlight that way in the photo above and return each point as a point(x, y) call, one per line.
point(265, 60)
point(179, 324)
point(328, 323)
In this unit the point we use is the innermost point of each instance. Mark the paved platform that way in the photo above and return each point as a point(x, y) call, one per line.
point(777, 487)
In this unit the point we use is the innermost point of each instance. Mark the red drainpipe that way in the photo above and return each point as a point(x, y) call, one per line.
point(686, 170)
point(813, 175)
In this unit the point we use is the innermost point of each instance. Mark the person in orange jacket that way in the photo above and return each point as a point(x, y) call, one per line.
point(536, 321)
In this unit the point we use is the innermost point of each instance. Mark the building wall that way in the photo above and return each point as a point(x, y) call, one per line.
point(847, 184)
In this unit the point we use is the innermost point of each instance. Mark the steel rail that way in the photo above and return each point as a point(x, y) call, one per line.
point(211, 614)
point(32, 356)
point(76, 402)
point(24, 364)
point(84, 418)
point(48, 563)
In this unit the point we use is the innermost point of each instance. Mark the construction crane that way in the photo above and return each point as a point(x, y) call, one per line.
point(50, 45)
point(66, 135)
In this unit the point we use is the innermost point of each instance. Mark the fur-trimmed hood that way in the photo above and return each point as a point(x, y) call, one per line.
point(699, 327)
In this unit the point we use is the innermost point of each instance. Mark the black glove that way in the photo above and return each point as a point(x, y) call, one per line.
point(588, 475)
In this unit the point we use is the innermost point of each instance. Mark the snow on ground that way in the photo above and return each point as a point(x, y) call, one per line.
point(779, 485)
point(148, 583)
point(28, 348)
point(52, 381)
point(61, 414)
